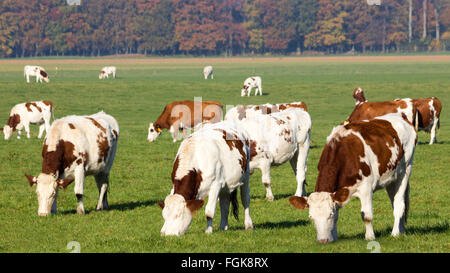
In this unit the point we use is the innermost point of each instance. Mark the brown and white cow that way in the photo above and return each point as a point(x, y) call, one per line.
point(358, 159)
point(106, 71)
point(277, 138)
point(184, 115)
point(24, 114)
point(243, 111)
point(75, 147)
point(366, 110)
point(428, 112)
point(213, 162)
point(252, 82)
point(35, 71)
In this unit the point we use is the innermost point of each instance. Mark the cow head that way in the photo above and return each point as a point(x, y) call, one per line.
point(7, 131)
point(154, 130)
point(244, 90)
point(44, 75)
point(323, 210)
point(102, 74)
point(358, 95)
point(177, 214)
point(46, 189)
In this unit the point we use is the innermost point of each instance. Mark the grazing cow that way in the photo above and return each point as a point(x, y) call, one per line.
point(24, 114)
point(358, 159)
point(428, 112)
point(277, 138)
point(213, 163)
point(208, 72)
point(184, 115)
point(243, 111)
point(249, 83)
point(371, 109)
point(35, 71)
point(106, 71)
point(75, 147)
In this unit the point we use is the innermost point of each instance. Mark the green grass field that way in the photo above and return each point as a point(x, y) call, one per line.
point(140, 176)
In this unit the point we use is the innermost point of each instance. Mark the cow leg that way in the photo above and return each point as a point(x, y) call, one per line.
point(41, 130)
point(365, 196)
point(102, 181)
point(28, 78)
point(224, 199)
point(299, 166)
point(79, 188)
point(266, 180)
point(211, 205)
point(249, 91)
point(245, 199)
point(399, 195)
point(433, 131)
point(55, 203)
point(27, 129)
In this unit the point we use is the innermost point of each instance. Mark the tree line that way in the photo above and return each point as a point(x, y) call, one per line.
point(221, 27)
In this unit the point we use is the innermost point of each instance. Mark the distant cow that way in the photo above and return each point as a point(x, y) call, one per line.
point(358, 159)
point(428, 112)
point(184, 115)
point(213, 163)
point(24, 114)
point(277, 138)
point(75, 147)
point(249, 83)
point(106, 71)
point(35, 71)
point(243, 111)
point(208, 72)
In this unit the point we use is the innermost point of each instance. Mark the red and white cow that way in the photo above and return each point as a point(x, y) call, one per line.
point(106, 71)
point(75, 147)
point(358, 159)
point(249, 83)
point(277, 138)
point(35, 71)
point(213, 163)
point(24, 114)
point(184, 115)
point(366, 110)
point(208, 72)
point(428, 112)
point(243, 111)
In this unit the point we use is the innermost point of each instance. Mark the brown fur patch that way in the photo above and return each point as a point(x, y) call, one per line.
point(29, 104)
point(98, 125)
point(71, 126)
point(58, 160)
point(13, 121)
point(43, 73)
point(189, 184)
point(370, 109)
point(103, 147)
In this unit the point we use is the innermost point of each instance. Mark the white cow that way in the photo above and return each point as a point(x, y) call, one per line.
point(24, 114)
point(277, 138)
point(106, 71)
point(213, 163)
point(208, 72)
point(75, 147)
point(249, 83)
point(35, 71)
point(358, 159)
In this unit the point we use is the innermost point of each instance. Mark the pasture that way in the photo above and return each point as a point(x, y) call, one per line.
point(140, 176)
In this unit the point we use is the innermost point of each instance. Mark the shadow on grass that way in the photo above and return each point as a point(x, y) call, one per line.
point(272, 225)
point(436, 143)
point(120, 207)
point(276, 196)
point(412, 230)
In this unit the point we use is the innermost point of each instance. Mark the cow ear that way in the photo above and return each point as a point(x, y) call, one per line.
point(1, 129)
point(161, 204)
point(340, 197)
point(299, 202)
point(194, 205)
point(63, 183)
point(31, 179)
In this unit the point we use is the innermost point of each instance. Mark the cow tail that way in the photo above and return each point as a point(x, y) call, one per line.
point(416, 122)
point(234, 204)
point(406, 203)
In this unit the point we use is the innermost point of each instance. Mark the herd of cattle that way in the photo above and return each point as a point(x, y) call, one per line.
point(372, 149)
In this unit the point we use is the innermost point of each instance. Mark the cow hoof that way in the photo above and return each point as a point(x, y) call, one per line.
point(249, 227)
point(209, 230)
point(80, 210)
point(270, 198)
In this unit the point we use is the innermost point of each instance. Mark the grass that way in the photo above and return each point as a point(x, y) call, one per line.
point(141, 173)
